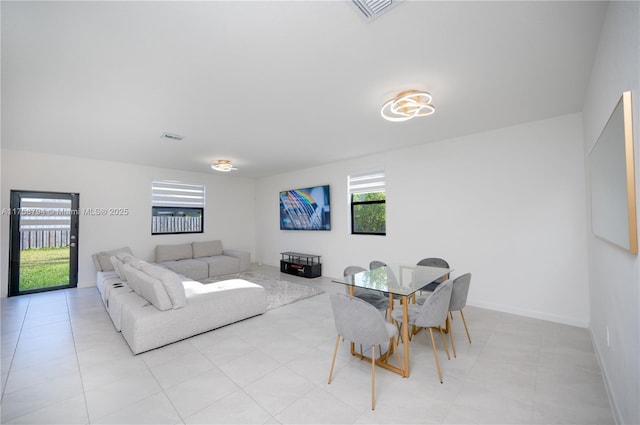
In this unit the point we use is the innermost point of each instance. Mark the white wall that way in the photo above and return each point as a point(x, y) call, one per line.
point(229, 213)
point(614, 274)
point(506, 205)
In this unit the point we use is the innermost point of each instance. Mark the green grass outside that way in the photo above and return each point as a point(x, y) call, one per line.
point(44, 268)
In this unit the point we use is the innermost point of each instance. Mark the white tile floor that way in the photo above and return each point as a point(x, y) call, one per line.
point(63, 363)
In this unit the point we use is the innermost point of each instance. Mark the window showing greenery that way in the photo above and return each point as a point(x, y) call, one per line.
point(368, 204)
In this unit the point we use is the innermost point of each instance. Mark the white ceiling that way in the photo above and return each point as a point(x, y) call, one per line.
point(278, 85)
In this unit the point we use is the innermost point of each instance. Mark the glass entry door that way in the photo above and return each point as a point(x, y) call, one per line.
point(44, 241)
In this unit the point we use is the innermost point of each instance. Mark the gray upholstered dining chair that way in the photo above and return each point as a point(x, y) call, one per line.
point(376, 298)
point(458, 302)
point(434, 262)
point(359, 322)
point(376, 264)
point(431, 315)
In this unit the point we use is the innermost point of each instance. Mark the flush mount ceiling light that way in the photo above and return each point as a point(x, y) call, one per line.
point(406, 105)
point(223, 165)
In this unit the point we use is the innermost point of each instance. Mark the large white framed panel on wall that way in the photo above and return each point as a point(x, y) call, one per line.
point(612, 173)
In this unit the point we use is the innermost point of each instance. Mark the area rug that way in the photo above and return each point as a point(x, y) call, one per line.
point(278, 292)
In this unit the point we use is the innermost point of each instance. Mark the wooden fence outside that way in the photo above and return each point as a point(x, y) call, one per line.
point(32, 239)
point(175, 224)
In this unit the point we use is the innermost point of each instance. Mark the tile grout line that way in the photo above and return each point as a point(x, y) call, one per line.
point(535, 383)
point(162, 390)
point(75, 351)
point(13, 356)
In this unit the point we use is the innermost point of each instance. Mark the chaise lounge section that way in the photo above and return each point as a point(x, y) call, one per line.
point(153, 306)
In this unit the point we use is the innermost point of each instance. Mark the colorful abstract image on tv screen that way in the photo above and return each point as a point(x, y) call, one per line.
point(305, 209)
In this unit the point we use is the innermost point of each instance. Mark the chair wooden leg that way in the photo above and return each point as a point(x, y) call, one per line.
point(373, 377)
point(383, 356)
point(453, 344)
point(465, 326)
point(333, 361)
point(444, 342)
point(435, 354)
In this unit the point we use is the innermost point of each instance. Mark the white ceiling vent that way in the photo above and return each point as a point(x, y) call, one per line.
point(372, 9)
point(172, 136)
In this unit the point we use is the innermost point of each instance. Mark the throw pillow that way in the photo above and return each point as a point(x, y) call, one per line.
point(117, 263)
point(172, 284)
point(152, 290)
point(102, 260)
point(147, 287)
point(130, 275)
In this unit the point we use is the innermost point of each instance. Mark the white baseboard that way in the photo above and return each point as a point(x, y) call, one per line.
point(605, 377)
point(532, 313)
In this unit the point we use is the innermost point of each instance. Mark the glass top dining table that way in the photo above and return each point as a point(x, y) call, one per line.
point(408, 280)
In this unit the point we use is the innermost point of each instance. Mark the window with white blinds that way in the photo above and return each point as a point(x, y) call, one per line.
point(367, 197)
point(177, 207)
point(177, 194)
point(366, 183)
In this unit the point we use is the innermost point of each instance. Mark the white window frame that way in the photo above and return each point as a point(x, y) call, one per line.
point(370, 182)
point(177, 207)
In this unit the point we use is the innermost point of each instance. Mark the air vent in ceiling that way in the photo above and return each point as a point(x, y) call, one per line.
point(372, 9)
point(172, 136)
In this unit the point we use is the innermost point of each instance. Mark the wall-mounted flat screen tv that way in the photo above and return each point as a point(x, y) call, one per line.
point(305, 209)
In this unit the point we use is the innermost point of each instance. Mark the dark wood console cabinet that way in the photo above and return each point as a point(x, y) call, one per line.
point(296, 263)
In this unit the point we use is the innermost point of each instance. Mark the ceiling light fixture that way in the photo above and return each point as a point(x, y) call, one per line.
point(406, 105)
point(223, 165)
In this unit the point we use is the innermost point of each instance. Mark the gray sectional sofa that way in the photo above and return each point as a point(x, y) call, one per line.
point(153, 306)
point(200, 260)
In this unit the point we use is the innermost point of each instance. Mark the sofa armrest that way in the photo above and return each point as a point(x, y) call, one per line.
point(243, 256)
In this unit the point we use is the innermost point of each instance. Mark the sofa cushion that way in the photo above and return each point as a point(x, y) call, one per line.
point(136, 263)
point(148, 287)
point(193, 269)
point(102, 260)
point(122, 298)
point(222, 264)
point(173, 252)
point(207, 249)
point(152, 290)
point(131, 270)
point(125, 257)
point(172, 284)
point(105, 280)
point(118, 260)
point(129, 274)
